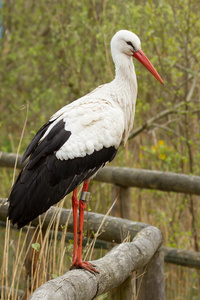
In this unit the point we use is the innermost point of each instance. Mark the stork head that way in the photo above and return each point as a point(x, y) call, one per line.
point(128, 43)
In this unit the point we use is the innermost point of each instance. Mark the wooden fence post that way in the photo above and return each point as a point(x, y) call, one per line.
point(122, 208)
point(151, 285)
point(30, 261)
point(127, 290)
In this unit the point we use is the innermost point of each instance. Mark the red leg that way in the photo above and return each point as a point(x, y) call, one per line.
point(79, 263)
point(75, 204)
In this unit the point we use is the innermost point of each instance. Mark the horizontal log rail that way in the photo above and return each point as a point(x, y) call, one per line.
point(156, 180)
point(8, 160)
point(129, 177)
point(187, 258)
point(112, 234)
point(114, 230)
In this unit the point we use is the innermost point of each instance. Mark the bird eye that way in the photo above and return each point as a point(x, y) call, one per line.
point(130, 44)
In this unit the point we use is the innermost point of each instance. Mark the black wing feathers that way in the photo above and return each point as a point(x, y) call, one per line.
point(45, 179)
point(52, 142)
point(35, 141)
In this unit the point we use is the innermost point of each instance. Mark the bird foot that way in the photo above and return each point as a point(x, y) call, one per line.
point(84, 265)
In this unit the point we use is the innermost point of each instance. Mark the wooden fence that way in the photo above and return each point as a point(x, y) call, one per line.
point(122, 179)
point(115, 268)
point(130, 177)
point(125, 178)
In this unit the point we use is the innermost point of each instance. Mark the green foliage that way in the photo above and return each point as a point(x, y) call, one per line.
point(52, 53)
point(36, 246)
point(164, 156)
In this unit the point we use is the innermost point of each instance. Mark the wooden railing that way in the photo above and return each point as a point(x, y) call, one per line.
point(129, 177)
point(125, 178)
point(115, 268)
point(122, 179)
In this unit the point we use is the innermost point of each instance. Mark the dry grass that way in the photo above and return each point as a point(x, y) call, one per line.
point(31, 258)
point(181, 282)
point(24, 267)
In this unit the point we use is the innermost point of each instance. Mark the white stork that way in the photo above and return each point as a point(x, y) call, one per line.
point(78, 140)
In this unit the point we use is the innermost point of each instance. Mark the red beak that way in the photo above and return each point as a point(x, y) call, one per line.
point(141, 57)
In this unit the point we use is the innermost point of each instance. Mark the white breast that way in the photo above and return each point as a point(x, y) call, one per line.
point(94, 123)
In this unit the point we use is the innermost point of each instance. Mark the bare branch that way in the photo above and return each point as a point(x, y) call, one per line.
point(169, 130)
point(152, 120)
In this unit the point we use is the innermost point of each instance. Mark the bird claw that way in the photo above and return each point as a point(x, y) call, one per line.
point(84, 265)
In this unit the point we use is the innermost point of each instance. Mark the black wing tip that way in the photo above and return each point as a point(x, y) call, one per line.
point(11, 215)
point(23, 158)
point(20, 225)
point(17, 222)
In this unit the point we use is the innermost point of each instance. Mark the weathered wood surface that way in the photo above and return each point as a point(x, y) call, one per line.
point(147, 179)
point(114, 268)
point(140, 178)
point(126, 290)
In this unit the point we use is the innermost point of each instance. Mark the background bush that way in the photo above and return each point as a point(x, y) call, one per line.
point(53, 52)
